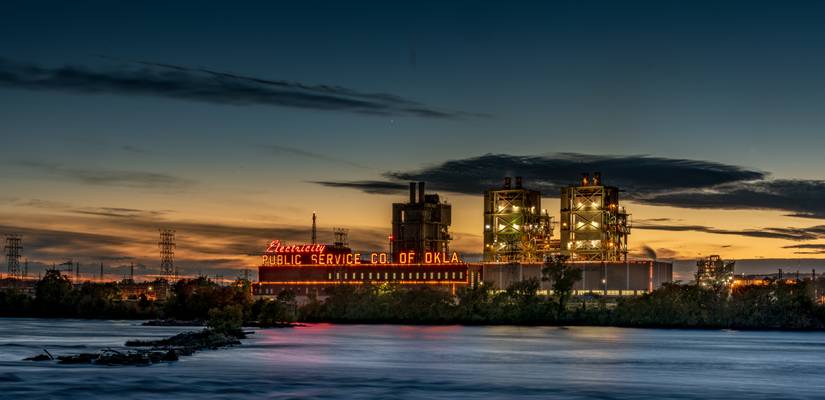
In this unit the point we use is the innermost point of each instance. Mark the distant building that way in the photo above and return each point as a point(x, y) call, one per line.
point(157, 290)
point(713, 271)
point(420, 225)
point(594, 227)
point(516, 228)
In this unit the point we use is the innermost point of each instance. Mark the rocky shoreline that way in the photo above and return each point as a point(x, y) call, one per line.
point(151, 351)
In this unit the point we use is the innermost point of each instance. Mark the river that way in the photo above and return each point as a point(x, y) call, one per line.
point(432, 362)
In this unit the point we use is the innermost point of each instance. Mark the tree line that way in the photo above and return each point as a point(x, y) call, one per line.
point(776, 305)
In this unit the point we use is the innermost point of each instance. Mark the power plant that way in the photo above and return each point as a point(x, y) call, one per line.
point(516, 228)
point(594, 227)
point(420, 225)
point(714, 271)
point(518, 240)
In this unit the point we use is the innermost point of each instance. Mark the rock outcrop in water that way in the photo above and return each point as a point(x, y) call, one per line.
point(192, 341)
point(173, 322)
point(163, 350)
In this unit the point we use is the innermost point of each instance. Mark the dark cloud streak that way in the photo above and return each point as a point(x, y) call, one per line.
point(796, 234)
point(104, 177)
point(373, 187)
point(637, 175)
point(644, 179)
point(279, 150)
point(204, 85)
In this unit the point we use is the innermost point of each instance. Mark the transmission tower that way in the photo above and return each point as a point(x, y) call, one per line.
point(13, 248)
point(167, 253)
point(341, 237)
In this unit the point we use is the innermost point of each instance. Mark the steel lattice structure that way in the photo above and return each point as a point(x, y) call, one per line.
point(594, 227)
point(167, 253)
point(13, 250)
point(516, 228)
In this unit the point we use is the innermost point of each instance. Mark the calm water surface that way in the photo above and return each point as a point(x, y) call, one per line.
point(378, 361)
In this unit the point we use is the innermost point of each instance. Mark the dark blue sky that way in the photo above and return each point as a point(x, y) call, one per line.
point(730, 81)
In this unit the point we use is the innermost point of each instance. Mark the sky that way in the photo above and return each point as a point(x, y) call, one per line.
point(232, 123)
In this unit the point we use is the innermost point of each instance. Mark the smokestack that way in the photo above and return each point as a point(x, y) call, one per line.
point(412, 192)
point(421, 192)
point(507, 181)
point(314, 230)
point(518, 182)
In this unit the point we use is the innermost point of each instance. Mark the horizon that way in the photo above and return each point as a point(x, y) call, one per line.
point(232, 125)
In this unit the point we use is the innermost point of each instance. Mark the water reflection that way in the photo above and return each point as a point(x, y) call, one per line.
point(384, 361)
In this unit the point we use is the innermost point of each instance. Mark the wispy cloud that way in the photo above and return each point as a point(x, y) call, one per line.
point(796, 234)
point(800, 198)
point(807, 248)
point(210, 86)
point(119, 212)
point(106, 177)
point(280, 150)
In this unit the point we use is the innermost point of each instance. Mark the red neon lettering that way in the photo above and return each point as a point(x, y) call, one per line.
point(276, 247)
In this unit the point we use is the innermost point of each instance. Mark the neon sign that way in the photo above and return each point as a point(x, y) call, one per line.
point(277, 254)
point(276, 247)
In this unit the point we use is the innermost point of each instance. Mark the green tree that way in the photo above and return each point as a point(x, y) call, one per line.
point(53, 294)
point(282, 310)
point(227, 320)
point(562, 277)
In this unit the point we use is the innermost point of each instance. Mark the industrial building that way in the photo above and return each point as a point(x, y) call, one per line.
point(516, 228)
point(518, 238)
point(594, 227)
point(714, 271)
point(420, 225)
point(616, 278)
point(308, 269)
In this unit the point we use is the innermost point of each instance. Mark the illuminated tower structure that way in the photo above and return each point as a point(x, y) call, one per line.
point(167, 253)
point(594, 227)
point(13, 248)
point(713, 271)
point(516, 228)
point(421, 225)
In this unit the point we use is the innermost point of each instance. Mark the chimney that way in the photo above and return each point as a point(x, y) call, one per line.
point(597, 178)
point(412, 192)
point(507, 182)
point(585, 179)
point(421, 192)
point(518, 182)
